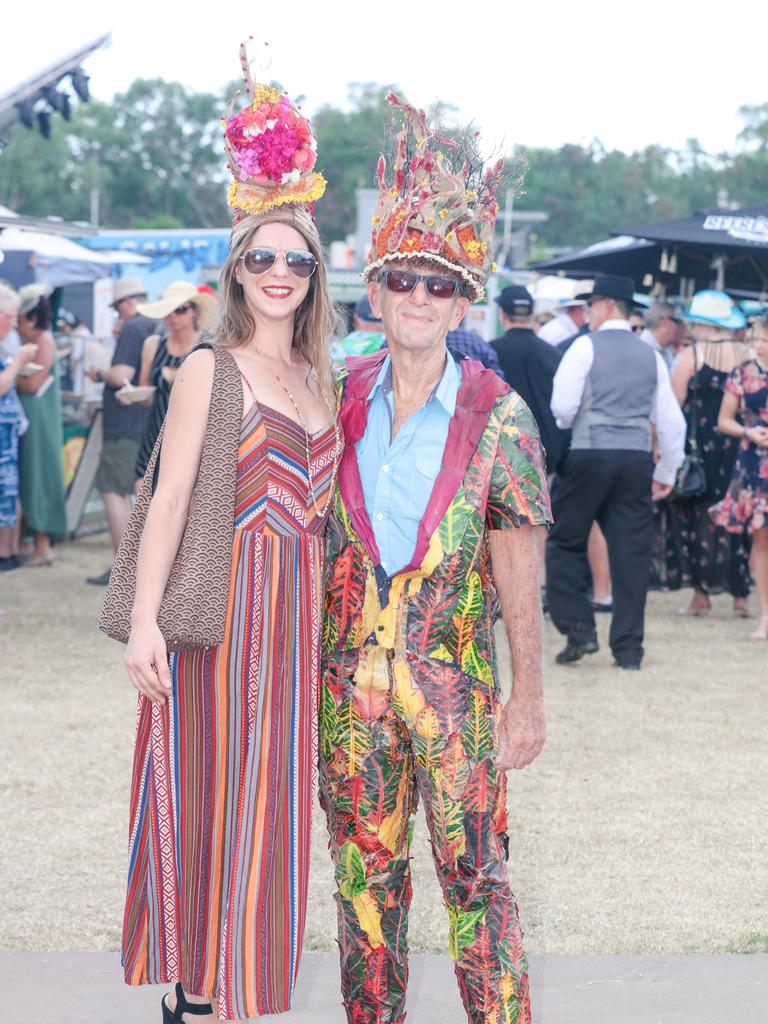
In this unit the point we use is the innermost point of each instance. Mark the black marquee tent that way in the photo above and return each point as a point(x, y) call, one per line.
point(712, 248)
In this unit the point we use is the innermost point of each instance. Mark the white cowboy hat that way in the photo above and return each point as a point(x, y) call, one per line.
point(177, 294)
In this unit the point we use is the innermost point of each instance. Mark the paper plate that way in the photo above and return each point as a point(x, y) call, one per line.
point(140, 394)
point(28, 369)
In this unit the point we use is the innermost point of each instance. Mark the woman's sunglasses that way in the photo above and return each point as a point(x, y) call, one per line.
point(300, 262)
point(181, 310)
point(403, 281)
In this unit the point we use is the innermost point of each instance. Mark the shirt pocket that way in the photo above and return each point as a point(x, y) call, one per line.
point(421, 479)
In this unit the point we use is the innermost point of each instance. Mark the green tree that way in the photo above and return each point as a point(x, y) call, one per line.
point(155, 156)
point(589, 192)
point(37, 176)
point(755, 130)
point(156, 150)
point(348, 144)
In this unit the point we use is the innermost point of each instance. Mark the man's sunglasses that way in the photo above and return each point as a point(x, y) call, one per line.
point(437, 285)
point(300, 262)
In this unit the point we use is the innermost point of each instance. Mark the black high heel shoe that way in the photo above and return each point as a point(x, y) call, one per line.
point(182, 1006)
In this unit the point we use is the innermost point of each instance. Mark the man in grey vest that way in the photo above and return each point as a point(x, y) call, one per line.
point(609, 387)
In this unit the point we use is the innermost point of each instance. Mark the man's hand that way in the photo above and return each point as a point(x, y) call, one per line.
point(93, 374)
point(514, 555)
point(522, 732)
point(660, 491)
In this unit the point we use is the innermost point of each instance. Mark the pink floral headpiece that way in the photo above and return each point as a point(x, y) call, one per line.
point(438, 203)
point(271, 150)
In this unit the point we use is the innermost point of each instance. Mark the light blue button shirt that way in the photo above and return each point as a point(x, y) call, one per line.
point(398, 476)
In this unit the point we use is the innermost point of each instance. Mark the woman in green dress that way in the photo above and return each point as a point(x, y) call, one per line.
point(41, 469)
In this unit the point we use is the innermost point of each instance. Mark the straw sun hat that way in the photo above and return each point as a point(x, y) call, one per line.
point(177, 294)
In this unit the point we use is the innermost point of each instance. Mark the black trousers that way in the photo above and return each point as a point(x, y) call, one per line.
point(614, 489)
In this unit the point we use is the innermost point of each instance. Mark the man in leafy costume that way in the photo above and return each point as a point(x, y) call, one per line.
point(441, 488)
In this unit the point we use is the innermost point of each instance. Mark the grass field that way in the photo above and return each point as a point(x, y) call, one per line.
point(642, 828)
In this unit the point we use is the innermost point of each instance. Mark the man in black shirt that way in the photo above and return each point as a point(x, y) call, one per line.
point(529, 366)
point(123, 425)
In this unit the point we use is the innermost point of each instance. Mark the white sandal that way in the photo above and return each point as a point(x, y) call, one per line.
point(761, 633)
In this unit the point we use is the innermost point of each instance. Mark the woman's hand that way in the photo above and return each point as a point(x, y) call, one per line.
point(758, 436)
point(25, 354)
point(146, 658)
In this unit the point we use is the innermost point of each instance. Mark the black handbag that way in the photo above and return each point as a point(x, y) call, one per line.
point(691, 481)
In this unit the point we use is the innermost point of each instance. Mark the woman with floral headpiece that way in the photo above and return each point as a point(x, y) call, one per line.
point(226, 742)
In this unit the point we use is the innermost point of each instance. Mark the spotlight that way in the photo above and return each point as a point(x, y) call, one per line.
point(44, 123)
point(26, 113)
point(59, 101)
point(80, 84)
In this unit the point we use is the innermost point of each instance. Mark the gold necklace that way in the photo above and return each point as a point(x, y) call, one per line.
point(336, 446)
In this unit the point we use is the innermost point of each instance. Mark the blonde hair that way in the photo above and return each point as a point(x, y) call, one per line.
point(758, 329)
point(317, 319)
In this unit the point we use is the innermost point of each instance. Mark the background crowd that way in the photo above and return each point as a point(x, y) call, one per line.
point(715, 361)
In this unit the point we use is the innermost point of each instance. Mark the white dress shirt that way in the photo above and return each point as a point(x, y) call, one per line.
point(649, 337)
point(666, 415)
point(558, 329)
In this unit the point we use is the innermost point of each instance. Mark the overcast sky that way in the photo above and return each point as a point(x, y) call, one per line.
point(540, 74)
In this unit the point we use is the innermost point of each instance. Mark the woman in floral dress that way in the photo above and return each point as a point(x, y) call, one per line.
point(745, 505)
point(698, 553)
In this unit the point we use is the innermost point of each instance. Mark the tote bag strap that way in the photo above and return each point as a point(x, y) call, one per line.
point(693, 412)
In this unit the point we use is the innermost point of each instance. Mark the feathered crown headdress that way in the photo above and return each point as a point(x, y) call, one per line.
point(439, 203)
point(270, 150)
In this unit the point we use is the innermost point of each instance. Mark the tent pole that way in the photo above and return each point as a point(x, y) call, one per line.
point(718, 265)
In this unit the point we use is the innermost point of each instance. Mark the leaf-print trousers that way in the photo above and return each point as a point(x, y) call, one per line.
point(395, 728)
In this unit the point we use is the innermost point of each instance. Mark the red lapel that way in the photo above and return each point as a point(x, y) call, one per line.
point(478, 391)
point(363, 371)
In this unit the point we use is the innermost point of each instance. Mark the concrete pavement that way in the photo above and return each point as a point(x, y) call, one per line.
point(87, 988)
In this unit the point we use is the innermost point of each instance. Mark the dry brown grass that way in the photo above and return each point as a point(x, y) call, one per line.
point(642, 828)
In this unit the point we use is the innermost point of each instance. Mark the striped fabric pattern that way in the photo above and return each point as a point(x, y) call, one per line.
point(224, 774)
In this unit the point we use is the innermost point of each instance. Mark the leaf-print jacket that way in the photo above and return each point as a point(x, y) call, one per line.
point(441, 606)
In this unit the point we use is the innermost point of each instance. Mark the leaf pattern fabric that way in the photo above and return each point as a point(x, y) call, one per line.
point(410, 709)
point(446, 608)
point(370, 796)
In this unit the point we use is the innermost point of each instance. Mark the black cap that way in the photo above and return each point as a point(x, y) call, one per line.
point(364, 311)
point(516, 300)
point(611, 286)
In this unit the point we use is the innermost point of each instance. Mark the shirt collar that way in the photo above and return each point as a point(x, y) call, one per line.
point(445, 391)
point(615, 325)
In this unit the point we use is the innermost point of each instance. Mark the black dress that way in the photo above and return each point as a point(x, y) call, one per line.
point(159, 408)
point(690, 550)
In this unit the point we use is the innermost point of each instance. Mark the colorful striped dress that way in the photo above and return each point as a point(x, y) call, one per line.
point(223, 774)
